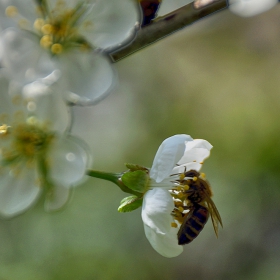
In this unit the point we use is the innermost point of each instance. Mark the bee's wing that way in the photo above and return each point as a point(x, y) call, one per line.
point(214, 213)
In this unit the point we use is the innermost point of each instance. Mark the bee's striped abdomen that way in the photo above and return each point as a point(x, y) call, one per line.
point(193, 224)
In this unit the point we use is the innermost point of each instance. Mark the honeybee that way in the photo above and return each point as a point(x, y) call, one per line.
point(199, 203)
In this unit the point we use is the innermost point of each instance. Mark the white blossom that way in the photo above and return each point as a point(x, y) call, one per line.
point(176, 155)
point(36, 153)
point(248, 8)
point(69, 37)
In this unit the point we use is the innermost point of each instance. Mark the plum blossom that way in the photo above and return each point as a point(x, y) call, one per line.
point(37, 156)
point(248, 8)
point(176, 155)
point(69, 37)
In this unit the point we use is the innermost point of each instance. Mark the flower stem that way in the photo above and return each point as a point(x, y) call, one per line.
point(167, 24)
point(114, 178)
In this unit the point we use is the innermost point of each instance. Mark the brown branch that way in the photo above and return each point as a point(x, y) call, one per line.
point(167, 24)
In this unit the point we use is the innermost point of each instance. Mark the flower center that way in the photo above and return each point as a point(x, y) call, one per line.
point(58, 29)
point(28, 141)
point(191, 188)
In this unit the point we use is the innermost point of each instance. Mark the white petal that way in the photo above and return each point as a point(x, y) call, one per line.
point(19, 192)
point(169, 153)
point(157, 219)
point(57, 198)
point(25, 60)
point(248, 8)
point(166, 245)
point(195, 153)
point(48, 106)
point(26, 10)
point(69, 159)
point(87, 77)
point(112, 22)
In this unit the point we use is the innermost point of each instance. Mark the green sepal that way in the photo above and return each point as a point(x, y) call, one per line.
point(136, 180)
point(134, 167)
point(130, 203)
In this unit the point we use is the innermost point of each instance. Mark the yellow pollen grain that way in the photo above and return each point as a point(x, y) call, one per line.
point(11, 11)
point(181, 209)
point(174, 225)
point(39, 23)
point(4, 129)
point(186, 187)
point(180, 195)
point(182, 176)
point(203, 175)
point(201, 162)
point(47, 29)
point(56, 48)
point(46, 41)
point(194, 178)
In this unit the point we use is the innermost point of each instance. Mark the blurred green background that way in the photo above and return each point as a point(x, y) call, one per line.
point(217, 80)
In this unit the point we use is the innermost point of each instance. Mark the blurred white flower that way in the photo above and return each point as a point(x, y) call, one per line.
point(176, 155)
point(70, 36)
point(248, 8)
point(36, 154)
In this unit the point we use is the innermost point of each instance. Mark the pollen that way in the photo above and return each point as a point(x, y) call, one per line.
point(46, 41)
point(194, 178)
point(186, 187)
point(181, 209)
point(39, 23)
point(4, 129)
point(182, 176)
point(47, 29)
point(174, 225)
point(11, 11)
point(203, 176)
point(56, 48)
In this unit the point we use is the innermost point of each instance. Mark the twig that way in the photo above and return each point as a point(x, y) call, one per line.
point(167, 24)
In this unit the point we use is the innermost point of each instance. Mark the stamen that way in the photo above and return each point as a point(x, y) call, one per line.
point(174, 225)
point(56, 48)
point(47, 29)
point(182, 176)
point(11, 11)
point(4, 129)
point(38, 24)
point(203, 176)
point(46, 41)
point(181, 209)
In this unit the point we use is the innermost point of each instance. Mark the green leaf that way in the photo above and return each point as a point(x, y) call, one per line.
point(134, 167)
point(130, 203)
point(136, 180)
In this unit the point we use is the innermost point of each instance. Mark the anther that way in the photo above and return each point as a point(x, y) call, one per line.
point(46, 41)
point(181, 209)
point(203, 175)
point(11, 11)
point(39, 23)
point(47, 29)
point(56, 48)
point(4, 129)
